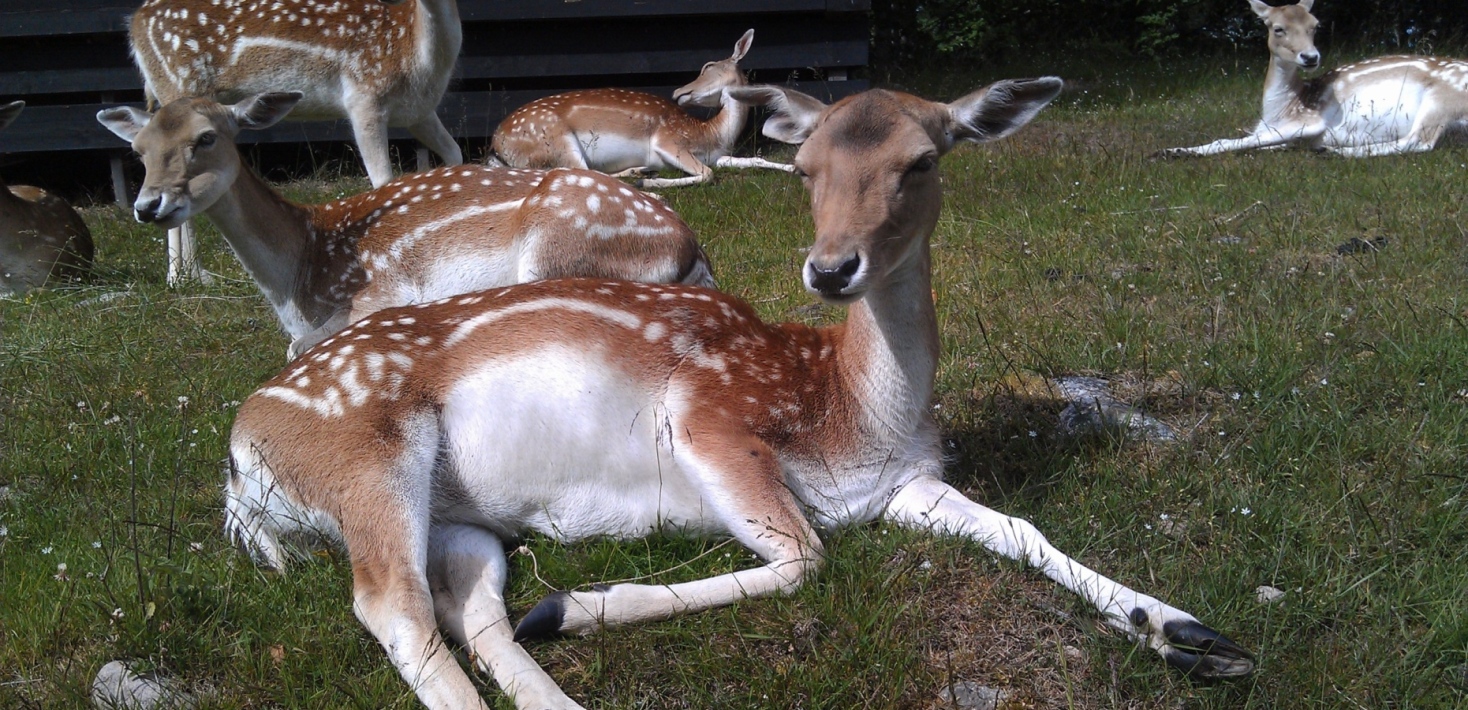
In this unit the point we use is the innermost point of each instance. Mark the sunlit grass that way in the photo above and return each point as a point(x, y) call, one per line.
point(1322, 397)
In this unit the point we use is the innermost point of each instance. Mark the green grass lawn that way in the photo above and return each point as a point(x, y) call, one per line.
point(1322, 400)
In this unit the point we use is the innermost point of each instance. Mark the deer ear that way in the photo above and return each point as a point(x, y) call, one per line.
point(264, 110)
point(125, 121)
point(794, 114)
point(1001, 108)
point(1262, 8)
point(1306, 4)
point(741, 47)
point(9, 112)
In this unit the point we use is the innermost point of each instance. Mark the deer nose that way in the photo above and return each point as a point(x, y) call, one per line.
point(147, 212)
point(1310, 59)
point(831, 282)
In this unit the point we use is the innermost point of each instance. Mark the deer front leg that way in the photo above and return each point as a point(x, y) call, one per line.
point(467, 572)
point(732, 162)
point(929, 504)
point(677, 156)
point(1263, 136)
point(431, 132)
point(761, 514)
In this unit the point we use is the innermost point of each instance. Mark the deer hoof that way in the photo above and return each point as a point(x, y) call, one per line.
point(1203, 653)
point(544, 621)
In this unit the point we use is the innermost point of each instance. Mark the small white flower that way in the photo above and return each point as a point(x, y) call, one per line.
point(81, 405)
point(96, 544)
point(196, 546)
point(1033, 433)
point(4, 531)
point(117, 613)
point(1235, 396)
point(1246, 511)
point(1163, 516)
point(1324, 382)
point(46, 550)
point(183, 400)
point(1147, 525)
point(1294, 390)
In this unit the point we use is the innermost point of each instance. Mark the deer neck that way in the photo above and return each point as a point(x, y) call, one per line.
point(1282, 89)
point(272, 237)
point(723, 129)
point(888, 351)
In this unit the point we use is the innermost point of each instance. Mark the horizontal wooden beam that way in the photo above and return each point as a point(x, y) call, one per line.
point(33, 18)
point(468, 115)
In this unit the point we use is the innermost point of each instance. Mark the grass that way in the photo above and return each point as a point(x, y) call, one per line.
point(1323, 398)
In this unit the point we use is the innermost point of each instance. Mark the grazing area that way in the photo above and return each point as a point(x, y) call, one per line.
point(1299, 321)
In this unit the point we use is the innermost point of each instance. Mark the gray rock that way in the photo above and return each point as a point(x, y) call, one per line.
point(969, 695)
point(1266, 594)
point(1093, 411)
point(118, 688)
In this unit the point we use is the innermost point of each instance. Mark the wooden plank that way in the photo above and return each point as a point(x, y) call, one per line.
point(31, 18)
point(69, 81)
point(468, 115)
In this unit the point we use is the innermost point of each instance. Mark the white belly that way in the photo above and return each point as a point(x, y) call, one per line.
point(611, 153)
point(553, 444)
point(1379, 113)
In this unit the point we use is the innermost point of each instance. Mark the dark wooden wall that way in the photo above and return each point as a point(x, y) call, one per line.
point(68, 58)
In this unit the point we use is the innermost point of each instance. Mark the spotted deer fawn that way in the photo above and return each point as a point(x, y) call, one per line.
point(1381, 106)
point(625, 132)
point(377, 63)
point(422, 436)
point(419, 238)
point(41, 236)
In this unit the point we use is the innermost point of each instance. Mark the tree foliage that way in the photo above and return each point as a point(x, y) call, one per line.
point(905, 31)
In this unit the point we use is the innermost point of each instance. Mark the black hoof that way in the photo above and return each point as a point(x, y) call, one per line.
point(1204, 653)
point(544, 621)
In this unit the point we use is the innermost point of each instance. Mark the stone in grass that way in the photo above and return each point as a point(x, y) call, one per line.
point(1266, 594)
point(969, 695)
point(1092, 410)
point(118, 688)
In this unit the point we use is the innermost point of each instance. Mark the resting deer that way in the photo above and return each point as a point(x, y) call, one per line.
point(419, 238)
point(625, 132)
point(377, 63)
point(422, 436)
point(1381, 106)
point(41, 237)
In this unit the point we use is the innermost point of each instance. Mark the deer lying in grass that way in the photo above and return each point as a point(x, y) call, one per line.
point(377, 63)
point(1381, 106)
point(626, 132)
point(41, 237)
point(419, 238)
point(422, 436)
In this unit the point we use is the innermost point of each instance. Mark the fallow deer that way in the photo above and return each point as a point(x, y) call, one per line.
point(41, 236)
point(377, 63)
point(418, 238)
point(625, 132)
point(422, 436)
point(1381, 106)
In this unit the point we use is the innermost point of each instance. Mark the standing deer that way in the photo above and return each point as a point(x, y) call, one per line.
point(625, 132)
point(1381, 106)
point(41, 237)
point(422, 436)
point(419, 238)
point(377, 63)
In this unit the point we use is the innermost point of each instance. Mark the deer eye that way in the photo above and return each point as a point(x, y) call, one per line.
point(205, 140)
point(1279, 31)
point(922, 165)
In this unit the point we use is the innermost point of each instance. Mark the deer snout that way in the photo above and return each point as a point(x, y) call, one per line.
point(158, 208)
point(830, 278)
point(1310, 59)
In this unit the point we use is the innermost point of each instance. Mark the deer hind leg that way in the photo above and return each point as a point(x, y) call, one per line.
point(929, 504)
point(431, 132)
point(369, 130)
point(751, 500)
point(467, 572)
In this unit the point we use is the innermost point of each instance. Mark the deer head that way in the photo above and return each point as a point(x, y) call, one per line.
point(188, 150)
point(1291, 32)
point(708, 89)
